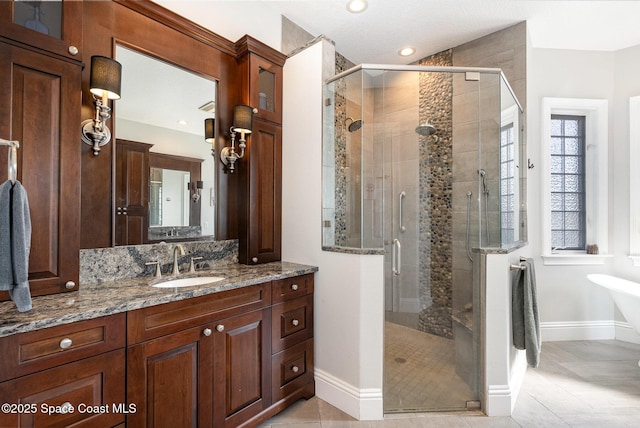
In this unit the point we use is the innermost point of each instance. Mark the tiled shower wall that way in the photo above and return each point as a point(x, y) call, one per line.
point(447, 170)
point(436, 226)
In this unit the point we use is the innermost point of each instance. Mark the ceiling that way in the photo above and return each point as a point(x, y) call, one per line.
point(376, 35)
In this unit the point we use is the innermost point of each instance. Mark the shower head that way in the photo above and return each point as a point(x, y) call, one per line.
point(483, 176)
point(426, 129)
point(354, 125)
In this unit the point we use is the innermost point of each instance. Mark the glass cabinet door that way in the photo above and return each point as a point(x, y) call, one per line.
point(55, 26)
point(266, 89)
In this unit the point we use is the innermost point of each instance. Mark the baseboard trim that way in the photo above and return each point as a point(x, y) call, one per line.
point(588, 330)
point(362, 404)
point(577, 330)
point(626, 333)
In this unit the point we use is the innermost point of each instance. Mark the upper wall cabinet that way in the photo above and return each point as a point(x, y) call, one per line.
point(262, 74)
point(260, 204)
point(55, 26)
point(40, 107)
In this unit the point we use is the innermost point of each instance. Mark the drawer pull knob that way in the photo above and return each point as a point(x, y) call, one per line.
point(220, 327)
point(73, 50)
point(207, 332)
point(254, 259)
point(295, 369)
point(70, 285)
point(66, 407)
point(66, 343)
point(295, 322)
point(294, 287)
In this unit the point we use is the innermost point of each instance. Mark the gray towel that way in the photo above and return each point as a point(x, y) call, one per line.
point(15, 243)
point(524, 312)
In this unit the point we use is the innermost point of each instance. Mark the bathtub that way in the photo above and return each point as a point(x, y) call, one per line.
point(626, 295)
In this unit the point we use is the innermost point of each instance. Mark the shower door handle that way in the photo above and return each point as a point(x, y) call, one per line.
point(401, 205)
point(396, 257)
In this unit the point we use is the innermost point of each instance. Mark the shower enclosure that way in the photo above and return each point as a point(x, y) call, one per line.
point(427, 166)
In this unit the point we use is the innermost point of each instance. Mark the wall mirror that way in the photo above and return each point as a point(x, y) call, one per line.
point(164, 110)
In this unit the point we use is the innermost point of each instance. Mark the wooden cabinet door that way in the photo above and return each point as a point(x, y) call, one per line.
point(132, 193)
point(260, 223)
point(241, 378)
point(53, 26)
point(86, 393)
point(170, 380)
point(40, 107)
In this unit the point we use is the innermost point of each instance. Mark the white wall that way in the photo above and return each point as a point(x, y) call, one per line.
point(570, 306)
point(349, 318)
point(627, 84)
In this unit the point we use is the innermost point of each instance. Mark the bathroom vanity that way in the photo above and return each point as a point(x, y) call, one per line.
point(231, 353)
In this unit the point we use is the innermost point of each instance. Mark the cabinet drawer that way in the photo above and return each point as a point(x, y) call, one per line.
point(291, 369)
point(93, 386)
point(291, 288)
point(291, 322)
point(155, 321)
point(27, 353)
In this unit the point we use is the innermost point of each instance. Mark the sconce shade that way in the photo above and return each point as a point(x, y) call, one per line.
point(105, 77)
point(199, 184)
point(209, 130)
point(242, 118)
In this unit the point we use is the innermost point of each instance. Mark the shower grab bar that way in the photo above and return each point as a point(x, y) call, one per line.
point(402, 196)
point(12, 160)
point(396, 258)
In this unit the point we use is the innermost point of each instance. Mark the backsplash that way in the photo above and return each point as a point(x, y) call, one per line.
point(118, 263)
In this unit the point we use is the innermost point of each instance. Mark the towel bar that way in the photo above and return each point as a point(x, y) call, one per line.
point(516, 267)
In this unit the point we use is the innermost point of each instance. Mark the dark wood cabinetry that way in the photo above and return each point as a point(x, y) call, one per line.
point(241, 368)
point(40, 100)
point(292, 340)
point(67, 375)
point(169, 380)
point(261, 212)
point(217, 351)
point(260, 204)
point(55, 27)
point(228, 359)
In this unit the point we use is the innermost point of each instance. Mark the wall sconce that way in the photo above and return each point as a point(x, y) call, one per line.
point(242, 118)
point(104, 84)
point(210, 134)
point(197, 191)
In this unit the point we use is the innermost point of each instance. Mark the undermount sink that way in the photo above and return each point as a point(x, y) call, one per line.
point(188, 282)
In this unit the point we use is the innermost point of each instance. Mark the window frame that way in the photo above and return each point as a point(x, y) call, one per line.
point(595, 112)
point(510, 118)
point(581, 194)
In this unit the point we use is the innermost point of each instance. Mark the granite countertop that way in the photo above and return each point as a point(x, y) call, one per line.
point(106, 298)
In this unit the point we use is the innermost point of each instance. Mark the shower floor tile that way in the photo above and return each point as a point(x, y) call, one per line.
point(420, 372)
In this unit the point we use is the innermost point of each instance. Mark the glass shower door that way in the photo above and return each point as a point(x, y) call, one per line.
point(429, 356)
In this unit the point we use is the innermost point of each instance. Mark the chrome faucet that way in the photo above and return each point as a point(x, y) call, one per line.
point(178, 247)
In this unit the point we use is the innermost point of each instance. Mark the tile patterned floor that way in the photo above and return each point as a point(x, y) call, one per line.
point(420, 372)
point(581, 384)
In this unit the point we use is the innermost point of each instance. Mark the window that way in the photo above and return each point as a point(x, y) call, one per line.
point(568, 213)
point(575, 196)
point(508, 182)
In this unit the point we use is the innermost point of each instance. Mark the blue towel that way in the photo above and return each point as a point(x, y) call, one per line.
point(524, 312)
point(15, 243)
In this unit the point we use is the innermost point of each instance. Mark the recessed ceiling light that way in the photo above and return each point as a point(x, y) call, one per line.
point(407, 51)
point(356, 6)
point(182, 122)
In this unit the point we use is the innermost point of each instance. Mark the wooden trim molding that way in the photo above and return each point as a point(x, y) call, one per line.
point(179, 23)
